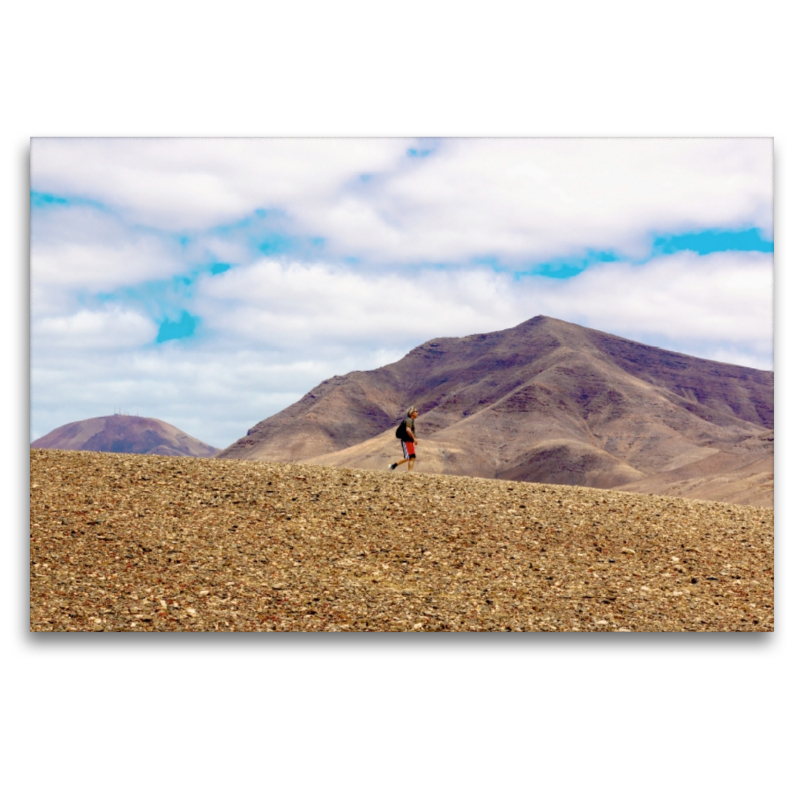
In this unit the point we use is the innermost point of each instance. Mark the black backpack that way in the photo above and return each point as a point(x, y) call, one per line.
point(400, 433)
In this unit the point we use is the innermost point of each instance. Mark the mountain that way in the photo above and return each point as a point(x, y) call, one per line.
point(545, 401)
point(123, 433)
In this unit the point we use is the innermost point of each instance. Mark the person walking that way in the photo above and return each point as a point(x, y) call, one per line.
point(408, 440)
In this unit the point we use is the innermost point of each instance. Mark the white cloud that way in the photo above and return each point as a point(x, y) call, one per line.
point(724, 297)
point(540, 198)
point(79, 249)
point(100, 266)
point(518, 199)
point(721, 297)
point(106, 329)
point(199, 183)
point(295, 305)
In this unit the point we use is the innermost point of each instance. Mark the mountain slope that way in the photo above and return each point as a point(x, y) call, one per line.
point(546, 401)
point(123, 433)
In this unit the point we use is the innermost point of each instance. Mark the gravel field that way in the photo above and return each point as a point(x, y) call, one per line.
point(156, 543)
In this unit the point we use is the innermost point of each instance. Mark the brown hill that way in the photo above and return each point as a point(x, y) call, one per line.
point(123, 433)
point(741, 473)
point(124, 542)
point(546, 401)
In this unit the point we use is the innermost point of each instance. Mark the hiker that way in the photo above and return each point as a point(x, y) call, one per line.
point(408, 439)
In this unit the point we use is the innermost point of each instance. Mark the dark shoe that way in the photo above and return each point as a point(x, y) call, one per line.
point(392, 466)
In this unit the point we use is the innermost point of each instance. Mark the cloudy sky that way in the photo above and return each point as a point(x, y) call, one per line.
point(212, 282)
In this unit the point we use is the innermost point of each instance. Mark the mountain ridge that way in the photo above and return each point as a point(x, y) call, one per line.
point(546, 400)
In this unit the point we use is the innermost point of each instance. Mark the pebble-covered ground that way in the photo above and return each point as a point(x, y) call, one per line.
point(139, 543)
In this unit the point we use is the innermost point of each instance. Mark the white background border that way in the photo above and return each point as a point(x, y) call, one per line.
point(396, 716)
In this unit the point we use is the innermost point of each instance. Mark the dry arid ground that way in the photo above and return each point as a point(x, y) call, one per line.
point(135, 543)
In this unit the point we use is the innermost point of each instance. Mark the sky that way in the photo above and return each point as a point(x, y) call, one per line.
point(210, 283)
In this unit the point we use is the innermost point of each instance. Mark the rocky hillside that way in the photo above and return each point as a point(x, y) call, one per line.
point(136, 543)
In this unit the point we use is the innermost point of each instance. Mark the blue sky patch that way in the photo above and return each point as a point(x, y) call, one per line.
point(158, 299)
point(267, 232)
point(181, 329)
point(425, 146)
point(276, 244)
point(713, 241)
point(49, 201)
point(701, 242)
point(163, 300)
point(43, 200)
point(567, 267)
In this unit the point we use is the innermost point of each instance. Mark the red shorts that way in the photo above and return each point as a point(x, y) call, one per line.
point(408, 450)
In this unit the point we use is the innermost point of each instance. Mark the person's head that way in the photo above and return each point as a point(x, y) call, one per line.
point(412, 412)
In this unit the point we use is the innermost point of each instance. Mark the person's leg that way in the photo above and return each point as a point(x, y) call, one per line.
point(403, 459)
point(410, 452)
